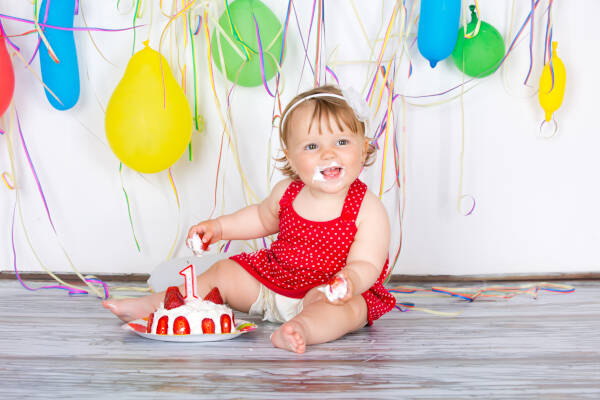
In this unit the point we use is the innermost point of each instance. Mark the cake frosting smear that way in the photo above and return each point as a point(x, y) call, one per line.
point(336, 289)
point(179, 316)
point(197, 245)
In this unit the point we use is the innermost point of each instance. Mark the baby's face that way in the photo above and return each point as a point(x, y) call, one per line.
point(325, 157)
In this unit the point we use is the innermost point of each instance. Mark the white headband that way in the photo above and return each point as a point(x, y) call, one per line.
point(350, 96)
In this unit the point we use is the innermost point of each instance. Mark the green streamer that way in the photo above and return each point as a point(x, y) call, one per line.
point(128, 207)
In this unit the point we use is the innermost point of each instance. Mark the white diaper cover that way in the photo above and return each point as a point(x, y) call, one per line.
point(274, 307)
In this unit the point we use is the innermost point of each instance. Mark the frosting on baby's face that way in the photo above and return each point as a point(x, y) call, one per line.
point(320, 171)
point(326, 155)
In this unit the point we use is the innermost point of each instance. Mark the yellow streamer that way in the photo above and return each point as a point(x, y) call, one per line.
point(387, 35)
point(385, 141)
point(172, 249)
point(8, 179)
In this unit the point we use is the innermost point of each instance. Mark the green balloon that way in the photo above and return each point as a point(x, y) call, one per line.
point(478, 56)
point(237, 22)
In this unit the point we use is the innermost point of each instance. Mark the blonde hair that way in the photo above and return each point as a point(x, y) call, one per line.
point(324, 107)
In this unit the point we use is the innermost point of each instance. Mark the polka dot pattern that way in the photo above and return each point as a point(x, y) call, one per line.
point(308, 253)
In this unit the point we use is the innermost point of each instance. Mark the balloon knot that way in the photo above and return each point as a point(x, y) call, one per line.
point(473, 13)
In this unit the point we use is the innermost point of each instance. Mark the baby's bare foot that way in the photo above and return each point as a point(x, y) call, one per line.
point(290, 336)
point(129, 309)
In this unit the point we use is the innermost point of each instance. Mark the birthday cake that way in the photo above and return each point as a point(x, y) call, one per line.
point(179, 316)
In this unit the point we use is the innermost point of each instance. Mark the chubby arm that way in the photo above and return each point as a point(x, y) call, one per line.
point(251, 222)
point(369, 251)
point(257, 220)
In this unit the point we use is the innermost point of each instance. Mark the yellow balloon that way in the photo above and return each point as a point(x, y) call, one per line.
point(551, 93)
point(148, 118)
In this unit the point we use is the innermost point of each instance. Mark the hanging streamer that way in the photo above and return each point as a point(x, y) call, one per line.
point(17, 206)
point(137, 244)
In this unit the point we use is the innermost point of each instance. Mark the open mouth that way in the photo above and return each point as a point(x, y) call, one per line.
point(328, 172)
point(331, 172)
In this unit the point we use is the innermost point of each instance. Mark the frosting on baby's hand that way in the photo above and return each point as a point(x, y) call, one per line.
point(336, 289)
point(195, 243)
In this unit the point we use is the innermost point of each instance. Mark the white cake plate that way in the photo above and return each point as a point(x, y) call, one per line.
point(139, 328)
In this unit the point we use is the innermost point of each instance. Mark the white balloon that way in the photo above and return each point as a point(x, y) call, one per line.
point(167, 273)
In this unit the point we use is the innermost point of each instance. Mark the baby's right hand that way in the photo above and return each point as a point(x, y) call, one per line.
point(209, 232)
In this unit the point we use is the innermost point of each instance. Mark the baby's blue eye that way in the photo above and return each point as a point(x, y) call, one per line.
point(343, 142)
point(311, 146)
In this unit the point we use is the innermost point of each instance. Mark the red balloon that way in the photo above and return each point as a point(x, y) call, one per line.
point(7, 75)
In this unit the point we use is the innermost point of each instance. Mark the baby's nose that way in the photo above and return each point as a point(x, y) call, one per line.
point(327, 153)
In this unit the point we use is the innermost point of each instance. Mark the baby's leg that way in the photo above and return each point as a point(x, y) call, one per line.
point(321, 322)
point(134, 308)
point(238, 288)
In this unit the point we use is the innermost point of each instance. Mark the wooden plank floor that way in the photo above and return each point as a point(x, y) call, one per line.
point(54, 346)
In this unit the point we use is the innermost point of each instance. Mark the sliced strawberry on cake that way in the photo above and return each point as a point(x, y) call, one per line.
point(214, 295)
point(173, 298)
point(162, 326)
point(150, 320)
point(225, 323)
point(208, 325)
point(181, 326)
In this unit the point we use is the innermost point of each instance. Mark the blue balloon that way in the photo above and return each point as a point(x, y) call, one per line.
point(438, 25)
point(62, 78)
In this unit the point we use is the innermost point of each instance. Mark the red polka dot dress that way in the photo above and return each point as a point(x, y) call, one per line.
point(307, 253)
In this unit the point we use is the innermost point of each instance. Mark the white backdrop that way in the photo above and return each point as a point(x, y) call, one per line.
point(537, 200)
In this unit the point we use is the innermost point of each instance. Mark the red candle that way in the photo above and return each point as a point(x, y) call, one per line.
point(190, 282)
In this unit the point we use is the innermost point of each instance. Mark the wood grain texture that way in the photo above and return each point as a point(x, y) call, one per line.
point(53, 345)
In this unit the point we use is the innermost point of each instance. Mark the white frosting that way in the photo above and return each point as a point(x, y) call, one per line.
point(336, 291)
point(318, 175)
point(194, 311)
point(195, 243)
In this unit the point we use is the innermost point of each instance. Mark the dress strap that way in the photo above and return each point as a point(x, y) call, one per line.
point(353, 200)
point(290, 193)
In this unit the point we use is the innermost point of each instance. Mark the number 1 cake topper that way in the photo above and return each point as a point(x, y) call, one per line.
point(189, 273)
